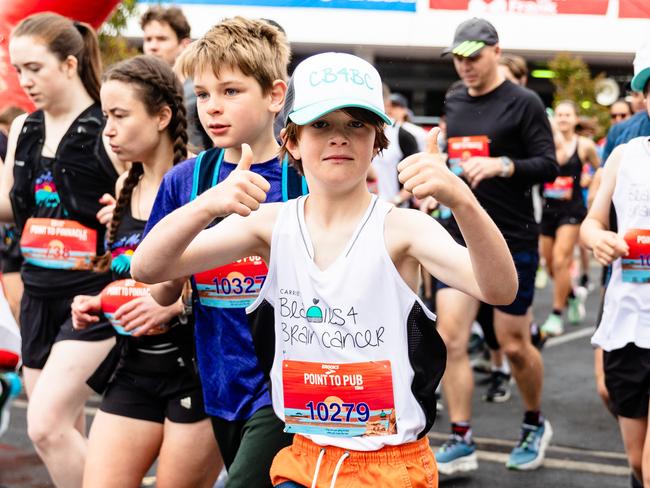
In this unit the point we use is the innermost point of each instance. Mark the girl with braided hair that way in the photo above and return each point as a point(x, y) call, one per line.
point(153, 406)
point(56, 172)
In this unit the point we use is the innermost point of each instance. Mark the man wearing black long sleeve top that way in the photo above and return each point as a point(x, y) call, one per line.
point(500, 142)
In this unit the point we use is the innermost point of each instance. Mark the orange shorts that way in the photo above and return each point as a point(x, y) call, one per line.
point(408, 465)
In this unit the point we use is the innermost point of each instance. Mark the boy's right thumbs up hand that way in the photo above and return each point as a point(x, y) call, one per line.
point(242, 192)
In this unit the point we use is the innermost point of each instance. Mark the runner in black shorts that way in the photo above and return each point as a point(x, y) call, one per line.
point(563, 211)
point(499, 140)
point(57, 170)
point(155, 390)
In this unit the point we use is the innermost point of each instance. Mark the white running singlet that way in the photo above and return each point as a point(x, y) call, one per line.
point(626, 312)
point(354, 352)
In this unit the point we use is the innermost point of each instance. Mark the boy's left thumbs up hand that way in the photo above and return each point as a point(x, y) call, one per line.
point(242, 191)
point(426, 174)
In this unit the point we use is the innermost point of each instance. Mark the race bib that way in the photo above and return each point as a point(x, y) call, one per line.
point(560, 189)
point(339, 400)
point(116, 294)
point(636, 265)
point(461, 149)
point(235, 285)
point(58, 244)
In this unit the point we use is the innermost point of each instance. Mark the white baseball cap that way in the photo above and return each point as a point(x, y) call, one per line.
point(331, 81)
point(641, 68)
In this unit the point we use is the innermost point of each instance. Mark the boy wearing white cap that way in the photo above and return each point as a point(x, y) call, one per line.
point(353, 356)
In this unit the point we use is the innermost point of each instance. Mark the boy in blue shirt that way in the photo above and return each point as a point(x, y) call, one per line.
point(238, 69)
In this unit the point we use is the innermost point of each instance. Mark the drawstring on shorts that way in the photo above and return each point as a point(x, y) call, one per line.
point(321, 454)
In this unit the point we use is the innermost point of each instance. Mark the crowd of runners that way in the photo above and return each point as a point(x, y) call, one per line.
point(284, 276)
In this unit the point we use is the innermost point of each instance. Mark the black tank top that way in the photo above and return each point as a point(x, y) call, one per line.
point(571, 169)
point(161, 350)
point(127, 239)
point(55, 283)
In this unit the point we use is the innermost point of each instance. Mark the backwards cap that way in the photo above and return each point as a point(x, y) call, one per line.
point(331, 81)
point(641, 67)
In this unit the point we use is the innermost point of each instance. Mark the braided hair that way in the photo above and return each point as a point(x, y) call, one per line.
point(158, 87)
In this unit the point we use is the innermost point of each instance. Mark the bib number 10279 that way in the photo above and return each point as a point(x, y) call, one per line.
point(338, 412)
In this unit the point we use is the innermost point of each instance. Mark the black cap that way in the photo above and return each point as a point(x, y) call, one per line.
point(399, 100)
point(471, 36)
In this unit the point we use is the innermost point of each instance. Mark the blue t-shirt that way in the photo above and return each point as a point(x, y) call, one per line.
point(233, 383)
point(636, 126)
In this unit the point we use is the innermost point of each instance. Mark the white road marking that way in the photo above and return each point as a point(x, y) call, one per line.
point(552, 462)
point(565, 464)
point(558, 449)
point(569, 337)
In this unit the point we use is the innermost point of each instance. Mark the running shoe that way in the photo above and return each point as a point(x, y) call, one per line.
point(456, 455)
point(530, 450)
point(10, 388)
point(499, 389)
point(553, 326)
point(541, 278)
point(576, 306)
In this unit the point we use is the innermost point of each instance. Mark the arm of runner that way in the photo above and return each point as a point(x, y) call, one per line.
point(485, 268)
point(594, 231)
point(540, 164)
point(6, 211)
point(593, 187)
point(179, 246)
point(591, 154)
point(168, 292)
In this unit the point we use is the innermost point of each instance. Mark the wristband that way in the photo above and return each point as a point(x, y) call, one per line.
point(506, 164)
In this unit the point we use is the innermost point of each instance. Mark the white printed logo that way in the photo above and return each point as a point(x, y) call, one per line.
point(186, 402)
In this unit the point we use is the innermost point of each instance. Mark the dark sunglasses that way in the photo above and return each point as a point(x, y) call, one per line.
point(619, 116)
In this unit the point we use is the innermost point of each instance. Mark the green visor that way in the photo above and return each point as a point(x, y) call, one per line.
point(468, 49)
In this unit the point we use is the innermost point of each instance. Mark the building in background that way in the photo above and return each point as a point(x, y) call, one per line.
point(404, 38)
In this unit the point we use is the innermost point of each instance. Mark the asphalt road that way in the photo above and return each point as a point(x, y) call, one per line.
point(586, 449)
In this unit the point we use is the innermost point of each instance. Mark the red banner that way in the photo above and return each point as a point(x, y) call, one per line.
point(634, 9)
point(530, 7)
point(13, 11)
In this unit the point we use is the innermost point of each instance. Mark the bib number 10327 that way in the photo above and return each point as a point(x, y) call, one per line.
point(235, 285)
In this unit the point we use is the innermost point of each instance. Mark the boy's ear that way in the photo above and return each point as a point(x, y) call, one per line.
point(291, 145)
point(277, 94)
